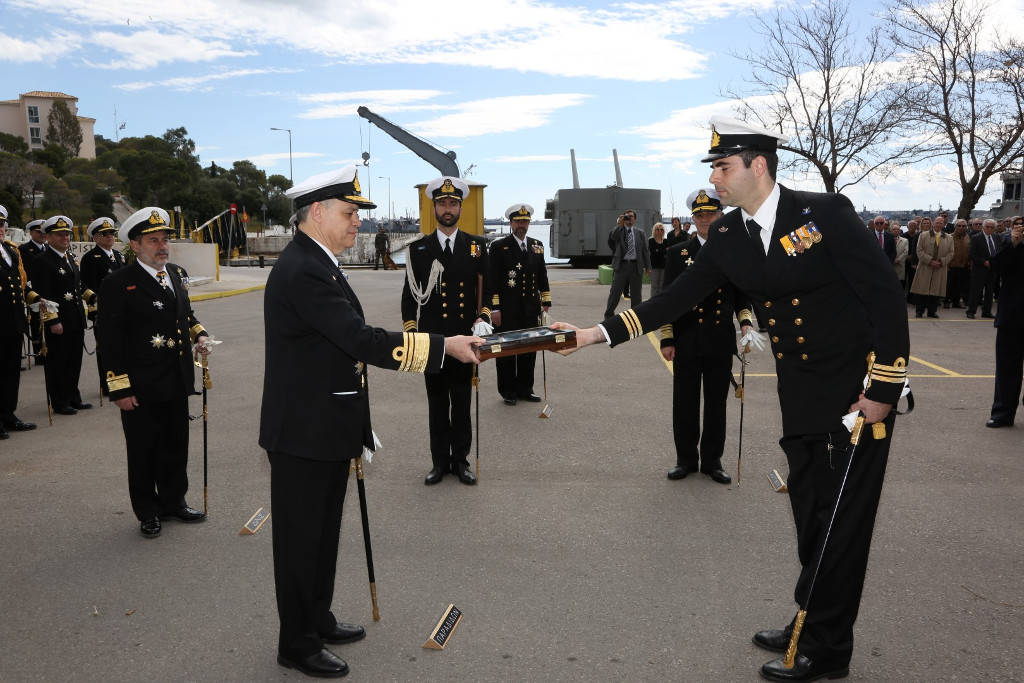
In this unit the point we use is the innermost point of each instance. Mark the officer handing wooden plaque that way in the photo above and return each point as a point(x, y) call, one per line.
point(532, 339)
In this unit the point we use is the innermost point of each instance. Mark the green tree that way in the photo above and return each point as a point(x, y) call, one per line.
point(25, 177)
point(13, 144)
point(183, 147)
point(62, 128)
point(10, 197)
point(52, 156)
point(58, 197)
point(101, 203)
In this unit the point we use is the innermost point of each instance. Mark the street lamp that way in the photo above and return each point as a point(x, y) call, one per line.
point(391, 216)
point(291, 176)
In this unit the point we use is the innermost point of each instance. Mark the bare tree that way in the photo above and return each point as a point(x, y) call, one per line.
point(832, 92)
point(966, 94)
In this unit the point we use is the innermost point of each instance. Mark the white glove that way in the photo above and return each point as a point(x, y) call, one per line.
point(367, 453)
point(208, 342)
point(482, 329)
point(754, 338)
point(51, 306)
point(545, 318)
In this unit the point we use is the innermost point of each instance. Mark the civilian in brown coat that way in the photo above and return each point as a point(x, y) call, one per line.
point(934, 252)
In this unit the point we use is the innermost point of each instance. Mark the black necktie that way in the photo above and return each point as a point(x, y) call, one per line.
point(627, 238)
point(754, 228)
point(991, 245)
point(447, 248)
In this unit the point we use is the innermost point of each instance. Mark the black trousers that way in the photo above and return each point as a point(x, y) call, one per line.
point(156, 436)
point(64, 366)
point(815, 474)
point(449, 395)
point(99, 362)
point(11, 342)
point(957, 285)
point(1009, 371)
point(306, 497)
point(688, 374)
point(927, 301)
point(982, 285)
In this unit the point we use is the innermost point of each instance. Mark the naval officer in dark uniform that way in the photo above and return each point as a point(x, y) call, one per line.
point(315, 416)
point(1008, 263)
point(97, 264)
point(829, 297)
point(443, 294)
point(14, 293)
point(29, 249)
point(55, 277)
point(700, 345)
point(519, 292)
point(146, 332)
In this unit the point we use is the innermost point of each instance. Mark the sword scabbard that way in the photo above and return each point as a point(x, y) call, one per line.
point(798, 626)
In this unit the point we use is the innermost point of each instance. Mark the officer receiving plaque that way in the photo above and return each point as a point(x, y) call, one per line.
point(532, 339)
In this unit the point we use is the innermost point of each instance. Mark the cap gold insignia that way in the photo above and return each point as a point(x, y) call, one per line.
point(715, 140)
point(61, 223)
point(155, 219)
point(355, 184)
point(703, 198)
point(447, 187)
point(106, 225)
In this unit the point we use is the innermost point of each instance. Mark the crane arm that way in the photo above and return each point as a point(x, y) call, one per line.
point(442, 161)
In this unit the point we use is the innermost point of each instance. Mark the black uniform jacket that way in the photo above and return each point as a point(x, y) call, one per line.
point(1009, 263)
point(29, 251)
point(144, 338)
point(452, 306)
point(59, 280)
point(825, 308)
point(96, 265)
point(519, 280)
point(14, 292)
point(315, 400)
point(706, 329)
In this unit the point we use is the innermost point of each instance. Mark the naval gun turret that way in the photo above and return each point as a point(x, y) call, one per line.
point(581, 218)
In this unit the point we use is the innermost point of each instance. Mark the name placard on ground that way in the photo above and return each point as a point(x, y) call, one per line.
point(255, 522)
point(444, 629)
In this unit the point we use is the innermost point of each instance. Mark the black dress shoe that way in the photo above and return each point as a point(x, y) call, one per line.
point(996, 424)
point(65, 410)
point(185, 514)
point(987, 315)
point(344, 633)
point(150, 528)
point(323, 664)
point(531, 398)
point(719, 475)
point(464, 475)
point(804, 669)
point(509, 400)
point(679, 472)
point(81, 406)
point(933, 315)
point(4, 434)
point(774, 639)
point(969, 315)
point(433, 476)
point(19, 426)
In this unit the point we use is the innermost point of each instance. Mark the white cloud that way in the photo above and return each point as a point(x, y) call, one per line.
point(334, 105)
point(44, 49)
point(189, 83)
point(627, 41)
point(496, 115)
point(150, 48)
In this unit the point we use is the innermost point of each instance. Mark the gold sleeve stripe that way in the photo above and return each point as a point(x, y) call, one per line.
point(746, 314)
point(485, 311)
point(118, 382)
point(632, 322)
point(893, 374)
point(496, 300)
point(409, 325)
point(666, 332)
point(413, 354)
point(31, 296)
point(195, 331)
point(545, 297)
point(88, 294)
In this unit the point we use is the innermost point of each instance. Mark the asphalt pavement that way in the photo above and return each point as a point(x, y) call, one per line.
point(574, 559)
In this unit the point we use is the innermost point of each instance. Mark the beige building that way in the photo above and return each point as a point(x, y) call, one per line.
point(26, 117)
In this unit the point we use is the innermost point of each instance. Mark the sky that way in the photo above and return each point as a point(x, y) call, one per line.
point(509, 85)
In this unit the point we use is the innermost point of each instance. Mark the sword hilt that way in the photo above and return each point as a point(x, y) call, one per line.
point(790, 659)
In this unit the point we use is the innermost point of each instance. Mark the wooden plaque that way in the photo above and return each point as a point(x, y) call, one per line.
point(777, 482)
point(255, 522)
point(530, 340)
point(444, 629)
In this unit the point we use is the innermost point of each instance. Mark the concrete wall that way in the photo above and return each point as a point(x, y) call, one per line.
point(12, 121)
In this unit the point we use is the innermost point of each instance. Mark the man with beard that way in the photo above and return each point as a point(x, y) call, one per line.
point(519, 293)
point(97, 264)
point(30, 249)
point(146, 335)
point(446, 276)
point(700, 345)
